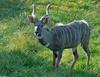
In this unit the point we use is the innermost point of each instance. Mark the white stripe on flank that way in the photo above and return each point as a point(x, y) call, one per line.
point(70, 35)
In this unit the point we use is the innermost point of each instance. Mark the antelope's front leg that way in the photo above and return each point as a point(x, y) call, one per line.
point(75, 57)
point(54, 60)
point(59, 56)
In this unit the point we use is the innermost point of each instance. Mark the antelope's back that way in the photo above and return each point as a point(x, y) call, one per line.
point(68, 35)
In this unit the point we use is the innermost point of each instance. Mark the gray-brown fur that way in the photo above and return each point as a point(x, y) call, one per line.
point(69, 35)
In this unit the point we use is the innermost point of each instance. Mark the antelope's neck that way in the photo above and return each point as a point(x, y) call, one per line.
point(46, 37)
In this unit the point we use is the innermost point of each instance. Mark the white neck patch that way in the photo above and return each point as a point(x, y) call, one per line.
point(47, 45)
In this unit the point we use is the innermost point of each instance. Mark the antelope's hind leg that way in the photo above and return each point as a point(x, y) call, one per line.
point(87, 50)
point(85, 43)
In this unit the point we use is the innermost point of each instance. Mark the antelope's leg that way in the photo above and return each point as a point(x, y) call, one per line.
point(54, 59)
point(86, 49)
point(75, 56)
point(59, 56)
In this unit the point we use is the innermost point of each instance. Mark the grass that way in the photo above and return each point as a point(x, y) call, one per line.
point(21, 55)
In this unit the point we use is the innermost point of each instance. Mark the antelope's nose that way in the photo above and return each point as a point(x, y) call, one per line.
point(37, 33)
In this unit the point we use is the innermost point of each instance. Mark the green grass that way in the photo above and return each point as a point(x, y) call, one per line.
point(21, 55)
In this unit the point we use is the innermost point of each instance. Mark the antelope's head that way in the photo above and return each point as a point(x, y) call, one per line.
point(39, 23)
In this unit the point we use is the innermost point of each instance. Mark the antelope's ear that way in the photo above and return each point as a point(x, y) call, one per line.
point(32, 19)
point(45, 19)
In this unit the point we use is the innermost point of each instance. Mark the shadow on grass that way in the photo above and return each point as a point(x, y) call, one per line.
point(80, 73)
point(28, 64)
point(21, 64)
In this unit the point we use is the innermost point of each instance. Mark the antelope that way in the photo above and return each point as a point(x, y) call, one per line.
point(62, 36)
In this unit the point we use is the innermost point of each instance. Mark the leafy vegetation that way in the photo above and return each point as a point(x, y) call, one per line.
point(21, 55)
